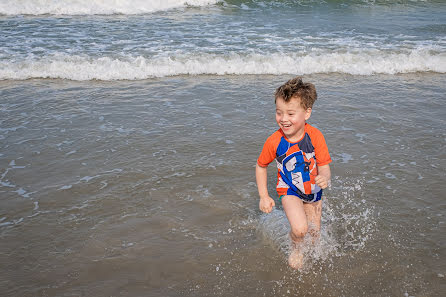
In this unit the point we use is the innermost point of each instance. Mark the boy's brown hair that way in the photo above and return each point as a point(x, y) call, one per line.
point(296, 88)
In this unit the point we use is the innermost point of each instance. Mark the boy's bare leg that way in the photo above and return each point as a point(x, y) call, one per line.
point(295, 212)
point(313, 212)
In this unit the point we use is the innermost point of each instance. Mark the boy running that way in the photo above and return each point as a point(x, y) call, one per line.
point(302, 160)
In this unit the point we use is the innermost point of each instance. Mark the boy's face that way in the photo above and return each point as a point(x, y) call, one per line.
point(291, 117)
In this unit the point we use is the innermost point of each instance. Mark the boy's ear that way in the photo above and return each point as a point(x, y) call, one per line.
point(308, 113)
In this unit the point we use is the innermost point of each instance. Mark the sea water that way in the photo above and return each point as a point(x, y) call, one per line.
point(84, 40)
point(129, 132)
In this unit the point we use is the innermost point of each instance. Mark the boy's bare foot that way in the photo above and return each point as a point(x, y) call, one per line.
point(296, 259)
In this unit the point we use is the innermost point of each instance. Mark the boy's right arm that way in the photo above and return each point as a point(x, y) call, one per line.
point(266, 203)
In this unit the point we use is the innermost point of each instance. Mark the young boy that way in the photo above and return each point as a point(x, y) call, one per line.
point(302, 160)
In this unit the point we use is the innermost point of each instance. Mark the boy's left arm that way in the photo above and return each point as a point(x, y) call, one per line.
point(323, 177)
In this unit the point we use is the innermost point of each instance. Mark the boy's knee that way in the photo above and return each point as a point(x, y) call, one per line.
point(298, 232)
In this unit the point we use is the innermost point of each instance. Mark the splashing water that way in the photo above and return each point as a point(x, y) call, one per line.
point(346, 227)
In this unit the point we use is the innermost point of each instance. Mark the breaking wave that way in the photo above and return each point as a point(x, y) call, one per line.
point(93, 7)
point(74, 67)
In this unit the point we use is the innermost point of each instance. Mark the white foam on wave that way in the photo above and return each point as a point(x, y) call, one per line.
point(136, 68)
point(93, 7)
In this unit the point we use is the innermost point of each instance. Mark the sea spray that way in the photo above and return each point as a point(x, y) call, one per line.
point(347, 225)
point(275, 229)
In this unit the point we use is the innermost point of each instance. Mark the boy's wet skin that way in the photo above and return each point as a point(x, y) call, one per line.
point(296, 144)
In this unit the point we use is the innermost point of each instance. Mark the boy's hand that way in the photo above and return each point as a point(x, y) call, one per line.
point(266, 204)
point(322, 181)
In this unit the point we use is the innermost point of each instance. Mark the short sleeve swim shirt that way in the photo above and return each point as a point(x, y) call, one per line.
point(296, 162)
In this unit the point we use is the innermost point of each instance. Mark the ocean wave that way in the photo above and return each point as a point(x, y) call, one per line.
point(292, 3)
point(137, 68)
point(93, 7)
point(126, 7)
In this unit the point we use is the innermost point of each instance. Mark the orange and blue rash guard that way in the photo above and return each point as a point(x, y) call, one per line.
point(297, 162)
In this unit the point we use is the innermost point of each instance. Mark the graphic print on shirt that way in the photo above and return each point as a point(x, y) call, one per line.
point(296, 167)
point(297, 163)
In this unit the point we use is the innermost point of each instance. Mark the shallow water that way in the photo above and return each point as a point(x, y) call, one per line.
point(147, 188)
point(129, 134)
point(87, 39)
